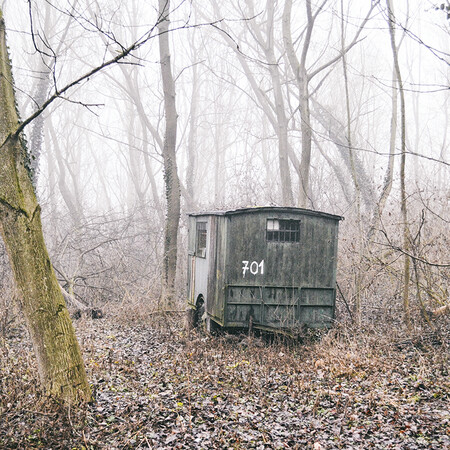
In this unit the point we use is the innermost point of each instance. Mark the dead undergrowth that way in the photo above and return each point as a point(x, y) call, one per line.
point(157, 386)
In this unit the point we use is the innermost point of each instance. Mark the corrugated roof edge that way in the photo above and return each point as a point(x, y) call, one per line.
point(256, 209)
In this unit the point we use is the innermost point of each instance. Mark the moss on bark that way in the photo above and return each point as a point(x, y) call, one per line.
point(58, 354)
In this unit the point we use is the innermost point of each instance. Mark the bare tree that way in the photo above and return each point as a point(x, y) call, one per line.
point(172, 182)
point(271, 101)
point(404, 208)
point(335, 130)
point(304, 75)
point(267, 43)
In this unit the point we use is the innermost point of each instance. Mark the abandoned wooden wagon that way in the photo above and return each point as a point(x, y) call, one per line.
point(271, 268)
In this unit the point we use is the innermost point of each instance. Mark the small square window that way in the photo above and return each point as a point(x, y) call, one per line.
point(200, 248)
point(278, 230)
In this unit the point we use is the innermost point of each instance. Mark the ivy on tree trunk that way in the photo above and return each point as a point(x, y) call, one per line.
point(172, 182)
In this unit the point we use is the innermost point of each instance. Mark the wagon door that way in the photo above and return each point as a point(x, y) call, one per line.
point(198, 263)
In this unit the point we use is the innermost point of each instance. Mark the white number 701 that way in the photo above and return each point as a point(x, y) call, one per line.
point(253, 267)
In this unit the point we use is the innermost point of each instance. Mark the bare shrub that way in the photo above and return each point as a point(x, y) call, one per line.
point(381, 269)
point(108, 259)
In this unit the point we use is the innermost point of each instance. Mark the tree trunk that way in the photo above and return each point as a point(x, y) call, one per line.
point(36, 137)
point(301, 76)
point(42, 88)
point(389, 174)
point(273, 109)
point(58, 355)
point(191, 163)
point(359, 266)
point(172, 182)
point(403, 207)
point(267, 43)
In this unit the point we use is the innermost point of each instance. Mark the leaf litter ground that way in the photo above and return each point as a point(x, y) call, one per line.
point(161, 387)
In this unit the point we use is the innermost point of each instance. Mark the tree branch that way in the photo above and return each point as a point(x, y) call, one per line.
point(416, 258)
point(115, 60)
point(355, 41)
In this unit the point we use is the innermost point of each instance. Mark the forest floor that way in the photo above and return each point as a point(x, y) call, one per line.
point(160, 387)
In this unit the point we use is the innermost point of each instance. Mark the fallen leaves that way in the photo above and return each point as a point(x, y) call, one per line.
point(161, 389)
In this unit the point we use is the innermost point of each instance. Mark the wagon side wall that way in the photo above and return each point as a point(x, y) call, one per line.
point(280, 284)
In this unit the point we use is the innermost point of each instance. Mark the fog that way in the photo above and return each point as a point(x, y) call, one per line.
point(241, 132)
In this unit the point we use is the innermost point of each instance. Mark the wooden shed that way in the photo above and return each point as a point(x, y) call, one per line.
point(271, 268)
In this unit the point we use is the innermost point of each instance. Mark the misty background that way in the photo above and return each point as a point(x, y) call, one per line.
point(255, 82)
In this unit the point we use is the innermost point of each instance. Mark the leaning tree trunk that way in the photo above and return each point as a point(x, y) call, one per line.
point(58, 355)
point(172, 182)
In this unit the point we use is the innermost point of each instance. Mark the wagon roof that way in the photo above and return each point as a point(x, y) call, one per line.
point(275, 209)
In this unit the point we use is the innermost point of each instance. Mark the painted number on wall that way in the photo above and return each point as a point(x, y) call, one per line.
point(254, 267)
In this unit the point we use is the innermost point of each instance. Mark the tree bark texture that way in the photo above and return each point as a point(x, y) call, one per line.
point(58, 354)
point(172, 182)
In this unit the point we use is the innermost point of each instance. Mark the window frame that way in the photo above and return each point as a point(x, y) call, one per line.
point(285, 231)
point(201, 236)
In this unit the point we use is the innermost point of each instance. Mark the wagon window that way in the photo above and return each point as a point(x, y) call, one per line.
point(200, 249)
point(278, 230)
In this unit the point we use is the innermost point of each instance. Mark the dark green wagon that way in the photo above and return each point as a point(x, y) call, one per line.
point(271, 268)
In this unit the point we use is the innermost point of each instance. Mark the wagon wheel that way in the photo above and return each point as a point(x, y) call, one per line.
point(199, 311)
